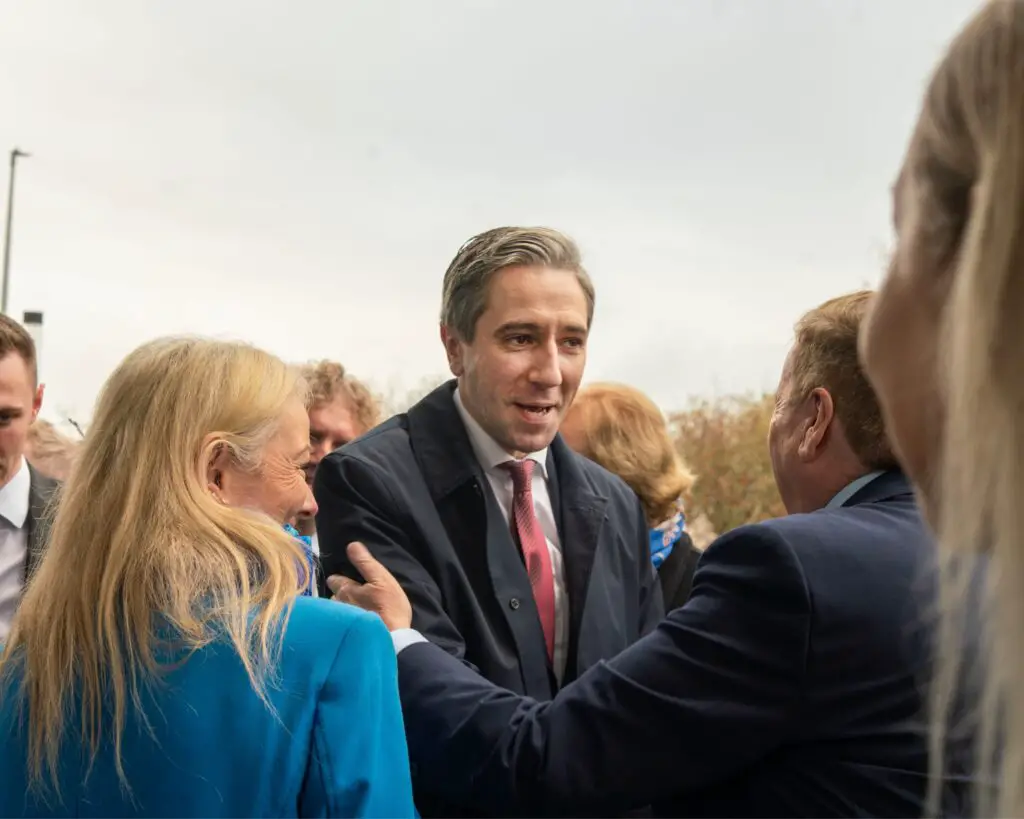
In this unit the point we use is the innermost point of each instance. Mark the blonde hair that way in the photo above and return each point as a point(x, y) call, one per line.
point(143, 565)
point(825, 355)
point(49, 450)
point(329, 380)
point(965, 172)
point(624, 431)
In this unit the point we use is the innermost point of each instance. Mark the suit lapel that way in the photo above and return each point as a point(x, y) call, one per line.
point(440, 442)
point(580, 513)
point(37, 525)
point(477, 530)
point(440, 445)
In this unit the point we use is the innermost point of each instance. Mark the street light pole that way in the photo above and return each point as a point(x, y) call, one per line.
point(7, 234)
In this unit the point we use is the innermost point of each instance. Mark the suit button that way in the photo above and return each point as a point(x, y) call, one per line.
point(514, 604)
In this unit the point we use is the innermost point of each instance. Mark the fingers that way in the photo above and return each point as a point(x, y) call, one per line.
point(347, 591)
point(367, 565)
point(354, 593)
point(335, 583)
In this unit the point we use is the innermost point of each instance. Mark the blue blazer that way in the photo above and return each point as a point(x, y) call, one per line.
point(336, 748)
point(790, 684)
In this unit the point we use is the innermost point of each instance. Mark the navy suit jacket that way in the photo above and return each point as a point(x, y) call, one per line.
point(788, 685)
point(413, 491)
point(334, 747)
point(42, 490)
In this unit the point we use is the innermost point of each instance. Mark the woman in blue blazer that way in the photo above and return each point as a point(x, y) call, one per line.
point(162, 662)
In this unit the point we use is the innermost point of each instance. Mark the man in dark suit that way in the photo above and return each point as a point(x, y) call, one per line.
point(24, 493)
point(40, 514)
point(521, 558)
point(790, 684)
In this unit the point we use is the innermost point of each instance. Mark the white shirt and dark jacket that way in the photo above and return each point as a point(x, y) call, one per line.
point(425, 492)
point(23, 528)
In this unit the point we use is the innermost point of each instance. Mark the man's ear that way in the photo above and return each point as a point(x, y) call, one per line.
point(37, 401)
point(816, 425)
point(453, 349)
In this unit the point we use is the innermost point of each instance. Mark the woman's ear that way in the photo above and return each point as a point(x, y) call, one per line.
point(217, 460)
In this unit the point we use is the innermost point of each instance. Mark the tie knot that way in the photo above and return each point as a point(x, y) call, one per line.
point(521, 472)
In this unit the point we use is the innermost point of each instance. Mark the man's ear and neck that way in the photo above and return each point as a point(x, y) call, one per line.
point(37, 401)
point(37, 404)
point(455, 350)
point(829, 462)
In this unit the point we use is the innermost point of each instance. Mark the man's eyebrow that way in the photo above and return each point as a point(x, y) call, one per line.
point(523, 326)
point(532, 327)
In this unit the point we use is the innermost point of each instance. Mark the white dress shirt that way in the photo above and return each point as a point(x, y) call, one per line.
point(490, 456)
point(851, 489)
point(14, 505)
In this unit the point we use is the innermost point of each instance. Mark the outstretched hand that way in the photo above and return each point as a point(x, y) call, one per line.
point(380, 594)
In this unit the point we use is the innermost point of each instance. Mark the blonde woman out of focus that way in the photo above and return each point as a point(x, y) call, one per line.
point(163, 661)
point(623, 430)
point(944, 348)
point(49, 450)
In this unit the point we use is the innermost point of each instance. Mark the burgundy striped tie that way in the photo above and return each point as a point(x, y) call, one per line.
point(535, 548)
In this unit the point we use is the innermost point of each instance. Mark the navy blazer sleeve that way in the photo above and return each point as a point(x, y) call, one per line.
point(711, 689)
point(356, 503)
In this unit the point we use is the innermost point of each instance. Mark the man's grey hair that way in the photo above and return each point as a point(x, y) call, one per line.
point(468, 278)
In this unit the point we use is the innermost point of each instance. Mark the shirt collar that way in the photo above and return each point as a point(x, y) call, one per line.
point(489, 452)
point(14, 497)
point(851, 489)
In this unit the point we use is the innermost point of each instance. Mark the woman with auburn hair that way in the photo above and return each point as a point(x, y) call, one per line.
point(162, 661)
point(623, 430)
point(944, 349)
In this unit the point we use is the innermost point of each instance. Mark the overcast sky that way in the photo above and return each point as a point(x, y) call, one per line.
point(300, 173)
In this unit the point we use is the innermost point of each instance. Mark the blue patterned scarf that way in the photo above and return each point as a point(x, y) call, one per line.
point(307, 547)
point(666, 535)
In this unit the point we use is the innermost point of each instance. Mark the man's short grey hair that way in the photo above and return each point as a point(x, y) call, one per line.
point(468, 278)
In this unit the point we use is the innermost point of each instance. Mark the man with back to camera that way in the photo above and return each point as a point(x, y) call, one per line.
point(24, 492)
point(520, 558)
point(790, 683)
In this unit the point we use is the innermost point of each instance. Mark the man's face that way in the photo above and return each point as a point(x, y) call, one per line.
point(331, 425)
point(20, 400)
point(520, 373)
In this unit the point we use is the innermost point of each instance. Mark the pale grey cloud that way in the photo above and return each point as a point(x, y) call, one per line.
point(300, 174)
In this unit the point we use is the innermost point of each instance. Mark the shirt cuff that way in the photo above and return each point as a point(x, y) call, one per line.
point(405, 637)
